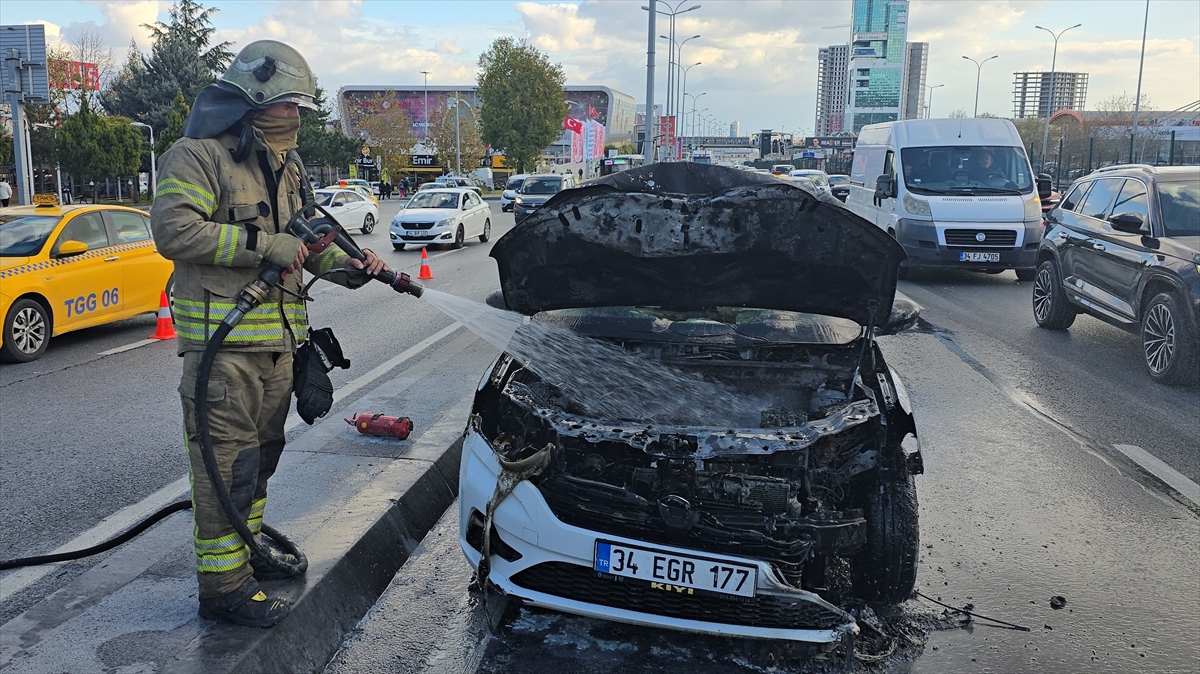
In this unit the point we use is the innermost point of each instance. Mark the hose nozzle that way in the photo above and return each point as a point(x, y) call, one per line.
point(405, 284)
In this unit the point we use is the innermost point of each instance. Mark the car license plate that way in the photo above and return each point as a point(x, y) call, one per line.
point(671, 572)
point(410, 233)
point(979, 257)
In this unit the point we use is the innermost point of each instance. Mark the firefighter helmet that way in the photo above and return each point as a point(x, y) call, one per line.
point(268, 72)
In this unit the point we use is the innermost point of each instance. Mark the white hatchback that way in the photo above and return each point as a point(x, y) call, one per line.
point(350, 208)
point(450, 215)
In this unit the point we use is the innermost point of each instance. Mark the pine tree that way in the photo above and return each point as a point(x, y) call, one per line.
point(175, 123)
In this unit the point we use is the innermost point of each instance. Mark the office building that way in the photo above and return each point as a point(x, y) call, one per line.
point(831, 89)
point(914, 80)
point(1031, 93)
point(735, 129)
point(877, 59)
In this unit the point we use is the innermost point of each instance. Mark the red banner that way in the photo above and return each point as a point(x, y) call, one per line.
point(74, 75)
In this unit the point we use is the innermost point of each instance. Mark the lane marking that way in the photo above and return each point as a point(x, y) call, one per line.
point(1155, 466)
point(128, 347)
point(19, 579)
point(107, 528)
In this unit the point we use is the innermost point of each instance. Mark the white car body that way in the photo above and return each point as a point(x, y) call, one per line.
point(415, 225)
point(349, 207)
point(509, 195)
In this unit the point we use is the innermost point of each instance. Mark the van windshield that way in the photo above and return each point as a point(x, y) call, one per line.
point(966, 170)
point(538, 186)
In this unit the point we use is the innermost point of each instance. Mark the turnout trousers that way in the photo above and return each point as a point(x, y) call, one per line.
point(249, 394)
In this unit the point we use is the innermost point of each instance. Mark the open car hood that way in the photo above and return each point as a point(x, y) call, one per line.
point(694, 236)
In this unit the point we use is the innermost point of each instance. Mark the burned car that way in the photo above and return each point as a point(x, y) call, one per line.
point(694, 519)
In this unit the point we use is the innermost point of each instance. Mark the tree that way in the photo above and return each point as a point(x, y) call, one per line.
point(958, 114)
point(318, 145)
point(180, 61)
point(176, 120)
point(92, 147)
point(389, 131)
point(466, 142)
point(522, 106)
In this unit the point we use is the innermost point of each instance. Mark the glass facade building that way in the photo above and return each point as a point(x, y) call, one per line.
point(877, 63)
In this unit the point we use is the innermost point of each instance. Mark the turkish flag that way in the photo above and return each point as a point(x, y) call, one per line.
point(573, 125)
point(592, 112)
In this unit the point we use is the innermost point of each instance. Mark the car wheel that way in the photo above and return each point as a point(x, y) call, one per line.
point(368, 224)
point(26, 332)
point(458, 238)
point(1051, 309)
point(1026, 274)
point(1168, 342)
point(487, 231)
point(885, 570)
point(398, 246)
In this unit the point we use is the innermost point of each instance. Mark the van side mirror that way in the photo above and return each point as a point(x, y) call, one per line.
point(905, 313)
point(1130, 223)
point(72, 247)
point(885, 188)
point(1045, 186)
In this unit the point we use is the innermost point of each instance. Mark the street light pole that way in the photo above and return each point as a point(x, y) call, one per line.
point(978, 68)
point(1137, 101)
point(680, 103)
point(650, 118)
point(683, 99)
point(153, 165)
point(667, 108)
point(929, 106)
point(1050, 99)
point(457, 138)
point(425, 133)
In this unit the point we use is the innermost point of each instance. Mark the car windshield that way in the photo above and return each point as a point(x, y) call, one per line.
point(541, 186)
point(514, 184)
point(22, 235)
point(434, 200)
point(323, 198)
point(839, 180)
point(966, 170)
point(1180, 206)
point(818, 178)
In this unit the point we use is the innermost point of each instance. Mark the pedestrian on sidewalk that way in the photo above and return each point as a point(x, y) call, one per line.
point(239, 149)
point(5, 191)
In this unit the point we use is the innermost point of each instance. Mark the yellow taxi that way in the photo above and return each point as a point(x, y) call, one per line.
point(64, 268)
point(360, 186)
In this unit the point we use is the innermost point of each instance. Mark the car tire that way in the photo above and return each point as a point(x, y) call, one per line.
point(487, 231)
point(459, 238)
point(26, 332)
point(1051, 308)
point(368, 225)
point(885, 570)
point(1168, 341)
point(1026, 275)
point(398, 246)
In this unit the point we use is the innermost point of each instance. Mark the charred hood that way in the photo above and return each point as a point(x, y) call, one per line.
point(691, 236)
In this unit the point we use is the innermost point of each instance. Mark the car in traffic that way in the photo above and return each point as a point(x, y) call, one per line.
point(536, 189)
point(818, 178)
point(65, 268)
point(955, 193)
point(509, 195)
point(1123, 246)
point(449, 215)
point(350, 208)
point(459, 181)
point(839, 186)
point(782, 169)
point(646, 511)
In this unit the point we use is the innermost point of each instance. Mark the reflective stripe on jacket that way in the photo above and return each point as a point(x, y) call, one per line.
point(213, 216)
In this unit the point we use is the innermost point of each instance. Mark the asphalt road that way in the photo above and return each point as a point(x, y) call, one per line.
point(83, 435)
point(1024, 498)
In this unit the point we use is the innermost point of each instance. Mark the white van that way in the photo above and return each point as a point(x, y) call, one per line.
point(954, 192)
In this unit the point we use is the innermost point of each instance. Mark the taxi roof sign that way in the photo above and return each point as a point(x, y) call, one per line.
point(45, 199)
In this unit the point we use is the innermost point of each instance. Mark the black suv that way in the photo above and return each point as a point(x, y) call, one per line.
point(1124, 246)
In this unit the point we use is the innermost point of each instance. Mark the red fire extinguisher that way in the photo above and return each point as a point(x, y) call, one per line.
point(380, 425)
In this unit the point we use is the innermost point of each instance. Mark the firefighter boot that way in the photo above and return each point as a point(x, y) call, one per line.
point(247, 606)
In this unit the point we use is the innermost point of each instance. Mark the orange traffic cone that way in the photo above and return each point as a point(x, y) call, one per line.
point(425, 274)
point(166, 326)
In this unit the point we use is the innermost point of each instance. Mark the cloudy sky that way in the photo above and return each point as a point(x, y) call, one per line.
point(758, 56)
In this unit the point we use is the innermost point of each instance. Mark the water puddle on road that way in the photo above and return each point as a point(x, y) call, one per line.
point(602, 379)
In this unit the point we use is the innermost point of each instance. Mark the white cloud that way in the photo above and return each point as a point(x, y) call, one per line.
point(448, 47)
point(557, 28)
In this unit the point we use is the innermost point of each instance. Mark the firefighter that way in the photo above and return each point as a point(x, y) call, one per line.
point(226, 192)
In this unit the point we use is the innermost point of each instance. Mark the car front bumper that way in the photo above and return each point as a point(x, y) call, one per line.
point(443, 234)
point(554, 570)
point(925, 248)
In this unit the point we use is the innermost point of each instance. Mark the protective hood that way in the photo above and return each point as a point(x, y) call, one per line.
point(217, 107)
point(693, 236)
